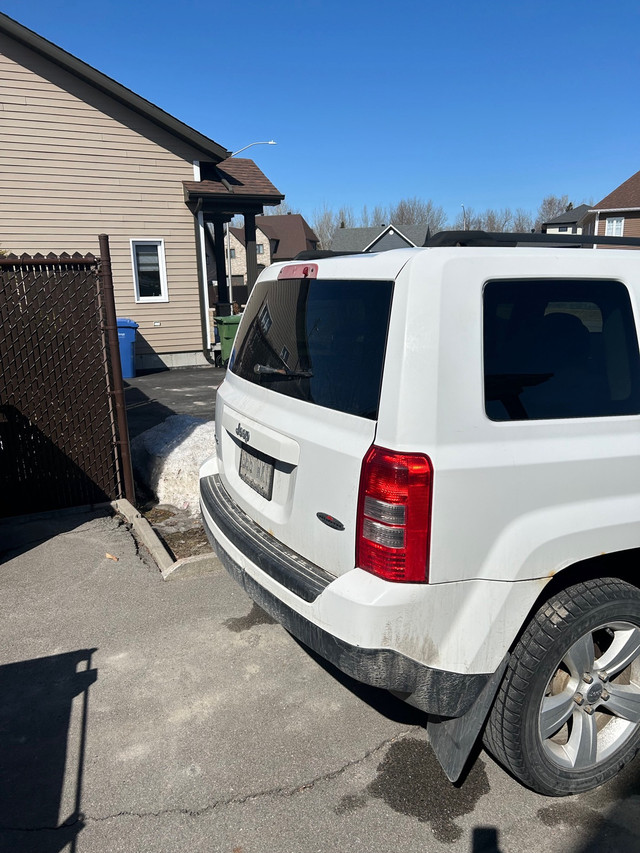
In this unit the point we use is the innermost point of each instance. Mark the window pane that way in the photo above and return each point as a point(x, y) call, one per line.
point(559, 349)
point(614, 227)
point(318, 341)
point(148, 268)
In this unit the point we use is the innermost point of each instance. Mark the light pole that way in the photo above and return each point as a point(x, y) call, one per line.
point(229, 279)
point(464, 218)
point(270, 142)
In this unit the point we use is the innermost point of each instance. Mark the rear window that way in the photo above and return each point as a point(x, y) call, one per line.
point(318, 341)
point(559, 349)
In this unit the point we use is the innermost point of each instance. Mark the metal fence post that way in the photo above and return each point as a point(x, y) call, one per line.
point(111, 328)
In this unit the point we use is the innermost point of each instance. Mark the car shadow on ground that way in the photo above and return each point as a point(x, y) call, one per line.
point(42, 737)
point(382, 701)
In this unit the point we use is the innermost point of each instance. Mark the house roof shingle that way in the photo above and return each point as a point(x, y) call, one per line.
point(569, 217)
point(236, 177)
point(358, 239)
point(626, 196)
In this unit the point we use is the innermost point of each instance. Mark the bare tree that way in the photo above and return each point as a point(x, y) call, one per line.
point(346, 217)
point(470, 220)
point(550, 207)
point(379, 216)
point(324, 223)
point(416, 211)
point(494, 220)
point(522, 221)
point(497, 220)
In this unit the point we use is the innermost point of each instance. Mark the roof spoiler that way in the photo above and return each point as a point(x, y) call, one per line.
point(496, 238)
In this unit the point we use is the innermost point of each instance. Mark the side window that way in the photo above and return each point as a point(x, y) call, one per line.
point(559, 349)
point(149, 270)
point(614, 226)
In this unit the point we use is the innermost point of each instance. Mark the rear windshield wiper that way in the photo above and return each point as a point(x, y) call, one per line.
point(282, 371)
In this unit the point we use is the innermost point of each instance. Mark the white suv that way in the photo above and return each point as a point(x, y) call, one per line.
point(428, 470)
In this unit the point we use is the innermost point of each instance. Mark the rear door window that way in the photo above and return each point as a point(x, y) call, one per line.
point(318, 341)
point(559, 349)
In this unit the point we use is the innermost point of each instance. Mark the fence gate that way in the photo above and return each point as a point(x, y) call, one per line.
point(63, 433)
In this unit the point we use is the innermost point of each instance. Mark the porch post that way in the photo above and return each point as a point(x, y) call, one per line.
point(250, 246)
point(221, 266)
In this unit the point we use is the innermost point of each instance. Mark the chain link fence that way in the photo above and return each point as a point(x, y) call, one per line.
point(63, 435)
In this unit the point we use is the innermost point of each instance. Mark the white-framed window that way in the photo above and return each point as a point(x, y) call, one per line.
point(149, 270)
point(232, 253)
point(614, 226)
point(259, 248)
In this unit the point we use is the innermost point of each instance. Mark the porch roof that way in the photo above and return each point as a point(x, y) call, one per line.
point(236, 186)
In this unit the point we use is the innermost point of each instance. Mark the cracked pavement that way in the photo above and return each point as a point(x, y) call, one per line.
point(139, 715)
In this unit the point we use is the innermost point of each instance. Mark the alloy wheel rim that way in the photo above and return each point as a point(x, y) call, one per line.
point(591, 705)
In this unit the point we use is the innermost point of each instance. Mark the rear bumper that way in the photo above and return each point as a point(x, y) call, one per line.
point(256, 560)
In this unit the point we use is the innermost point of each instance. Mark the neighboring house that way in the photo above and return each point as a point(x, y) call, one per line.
point(81, 155)
point(378, 239)
point(279, 237)
point(567, 222)
point(618, 214)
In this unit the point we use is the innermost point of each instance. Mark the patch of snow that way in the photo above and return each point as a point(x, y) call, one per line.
point(166, 459)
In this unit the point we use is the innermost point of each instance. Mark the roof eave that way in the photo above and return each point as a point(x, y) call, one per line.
point(112, 88)
point(245, 198)
point(612, 210)
point(386, 230)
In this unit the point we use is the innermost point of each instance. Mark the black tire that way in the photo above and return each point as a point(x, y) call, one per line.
point(567, 715)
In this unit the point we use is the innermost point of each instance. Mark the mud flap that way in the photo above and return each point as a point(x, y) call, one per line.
point(452, 740)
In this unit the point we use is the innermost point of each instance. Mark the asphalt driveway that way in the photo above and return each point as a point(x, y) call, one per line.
point(152, 397)
point(143, 715)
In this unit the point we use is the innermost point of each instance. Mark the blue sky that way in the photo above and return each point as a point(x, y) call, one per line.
point(490, 104)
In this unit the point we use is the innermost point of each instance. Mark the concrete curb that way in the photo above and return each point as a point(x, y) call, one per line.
point(169, 569)
point(191, 567)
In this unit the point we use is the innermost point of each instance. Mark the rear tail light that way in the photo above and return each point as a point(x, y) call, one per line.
point(394, 515)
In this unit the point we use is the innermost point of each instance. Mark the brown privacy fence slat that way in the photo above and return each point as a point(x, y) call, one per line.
point(62, 438)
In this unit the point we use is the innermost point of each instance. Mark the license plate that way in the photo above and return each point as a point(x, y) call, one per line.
point(256, 470)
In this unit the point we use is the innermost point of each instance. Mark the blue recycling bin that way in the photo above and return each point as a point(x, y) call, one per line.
point(127, 343)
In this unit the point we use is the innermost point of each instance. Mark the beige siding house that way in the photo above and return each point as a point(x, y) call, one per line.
point(81, 155)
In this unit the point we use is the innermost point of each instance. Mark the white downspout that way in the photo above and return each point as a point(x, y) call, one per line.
point(203, 264)
point(203, 275)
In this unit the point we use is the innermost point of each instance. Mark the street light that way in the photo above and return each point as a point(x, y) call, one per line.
point(270, 142)
point(229, 279)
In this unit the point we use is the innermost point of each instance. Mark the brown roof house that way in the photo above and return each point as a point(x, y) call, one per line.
point(618, 214)
point(279, 237)
point(82, 155)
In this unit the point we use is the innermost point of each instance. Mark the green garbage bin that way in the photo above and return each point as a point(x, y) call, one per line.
point(227, 327)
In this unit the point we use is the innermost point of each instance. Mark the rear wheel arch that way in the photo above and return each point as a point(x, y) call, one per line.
point(624, 565)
